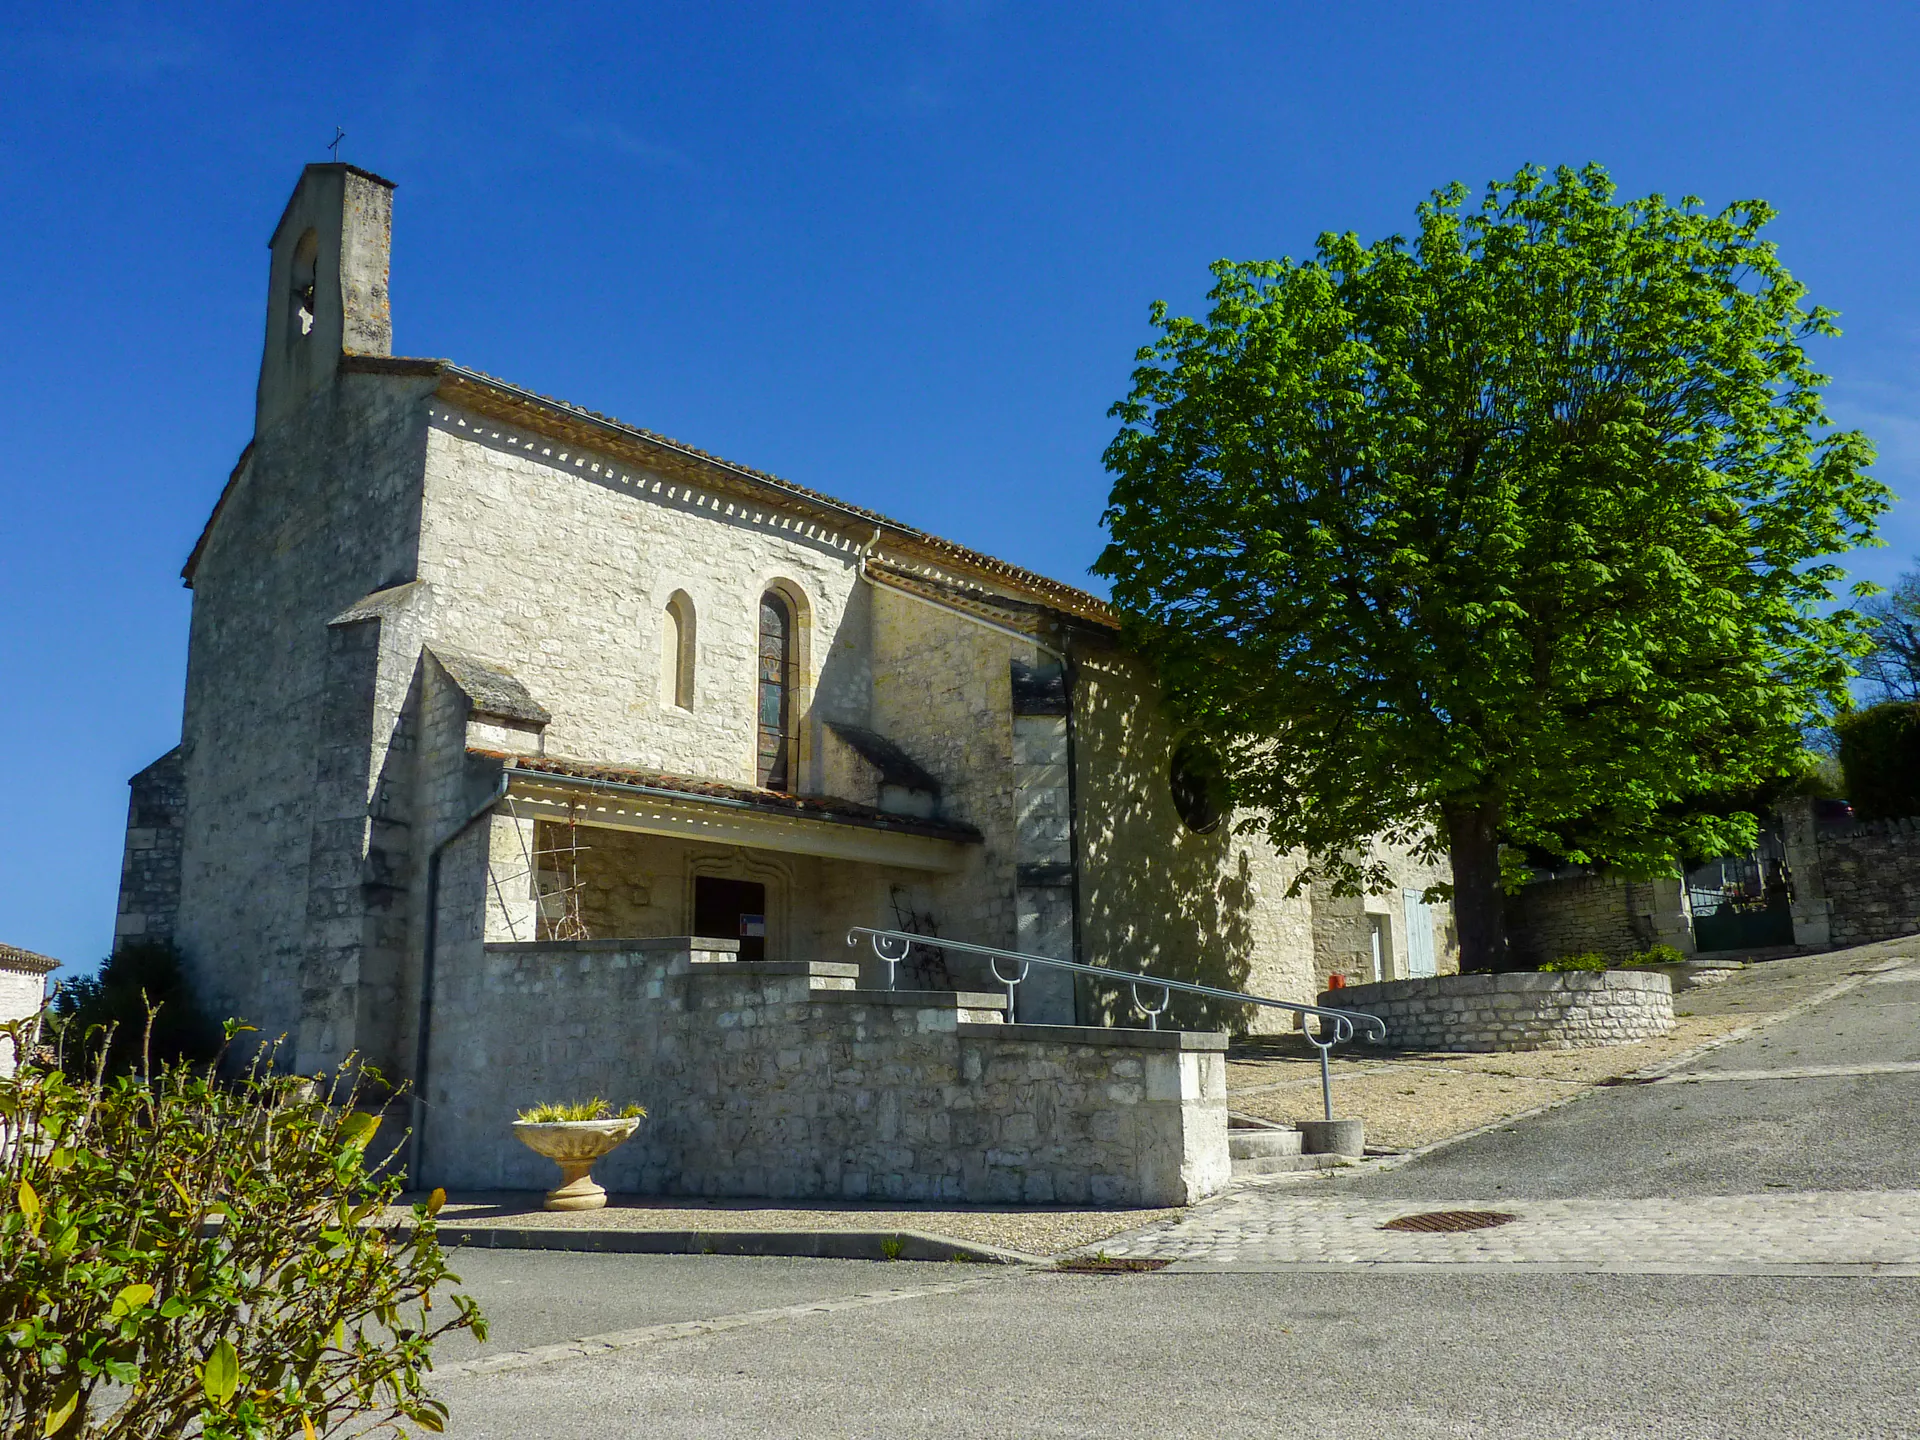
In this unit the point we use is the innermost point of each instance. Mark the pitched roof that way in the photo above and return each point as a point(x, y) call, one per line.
point(490, 689)
point(503, 400)
point(803, 807)
point(12, 957)
point(896, 767)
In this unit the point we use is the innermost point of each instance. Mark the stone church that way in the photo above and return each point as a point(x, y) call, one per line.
point(493, 701)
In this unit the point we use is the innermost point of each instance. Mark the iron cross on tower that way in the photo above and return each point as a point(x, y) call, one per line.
point(334, 144)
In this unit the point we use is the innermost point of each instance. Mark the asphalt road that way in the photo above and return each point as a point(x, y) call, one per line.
point(537, 1298)
point(1170, 1355)
point(1456, 1352)
point(1727, 1137)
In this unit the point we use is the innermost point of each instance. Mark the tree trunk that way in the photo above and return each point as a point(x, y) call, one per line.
point(1479, 907)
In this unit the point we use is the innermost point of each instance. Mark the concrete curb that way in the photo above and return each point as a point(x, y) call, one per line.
point(793, 1244)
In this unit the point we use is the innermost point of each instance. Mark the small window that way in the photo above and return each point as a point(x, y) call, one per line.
point(676, 652)
point(776, 666)
point(306, 255)
point(1199, 789)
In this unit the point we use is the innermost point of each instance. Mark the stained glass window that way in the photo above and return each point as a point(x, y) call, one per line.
point(776, 652)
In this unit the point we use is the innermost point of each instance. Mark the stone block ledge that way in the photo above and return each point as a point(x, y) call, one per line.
point(1201, 1040)
point(915, 999)
point(773, 969)
point(652, 944)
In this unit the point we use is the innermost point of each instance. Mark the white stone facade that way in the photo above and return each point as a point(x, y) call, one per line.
point(469, 666)
point(23, 992)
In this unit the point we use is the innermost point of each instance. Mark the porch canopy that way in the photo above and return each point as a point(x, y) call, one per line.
point(618, 798)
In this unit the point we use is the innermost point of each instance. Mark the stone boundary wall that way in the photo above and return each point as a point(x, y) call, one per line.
point(1870, 874)
point(1516, 1011)
point(782, 1080)
point(1577, 915)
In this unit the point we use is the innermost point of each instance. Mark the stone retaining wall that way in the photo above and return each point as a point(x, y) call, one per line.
point(1519, 1011)
point(1869, 878)
point(784, 1081)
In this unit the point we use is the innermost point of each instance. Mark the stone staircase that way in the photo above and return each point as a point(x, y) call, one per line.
point(1265, 1147)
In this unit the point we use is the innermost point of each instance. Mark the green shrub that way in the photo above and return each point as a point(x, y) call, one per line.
point(1880, 758)
point(554, 1111)
point(1659, 955)
point(1588, 961)
point(183, 1255)
point(108, 1013)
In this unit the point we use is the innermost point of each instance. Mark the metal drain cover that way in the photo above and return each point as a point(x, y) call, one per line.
point(1435, 1222)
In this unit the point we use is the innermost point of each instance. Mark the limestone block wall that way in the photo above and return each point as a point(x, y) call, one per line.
point(943, 688)
point(1516, 1011)
point(1345, 926)
point(1575, 915)
point(558, 564)
point(1156, 896)
point(1871, 874)
point(1586, 913)
point(150, 864)
point(23, 990)
point(320, 513)
point(783, 1080)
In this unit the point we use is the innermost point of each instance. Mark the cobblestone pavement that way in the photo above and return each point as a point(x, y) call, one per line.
point(1280, 1226)
point(1794, 1149)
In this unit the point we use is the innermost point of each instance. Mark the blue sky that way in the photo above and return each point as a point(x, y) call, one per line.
point(902, 253)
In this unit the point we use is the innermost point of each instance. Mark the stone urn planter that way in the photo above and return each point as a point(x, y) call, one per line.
point(574, 1145)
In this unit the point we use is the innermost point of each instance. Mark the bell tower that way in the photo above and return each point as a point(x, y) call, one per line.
point(327, 285)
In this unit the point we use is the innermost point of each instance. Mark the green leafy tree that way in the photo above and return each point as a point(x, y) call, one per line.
point(1891, 669)
point(181, 1255)
point(1879, 753)
point(1516, 534)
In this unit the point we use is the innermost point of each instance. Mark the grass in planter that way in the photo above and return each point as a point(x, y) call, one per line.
point(1567, 963)
point(554, 1111)
point(1658, 955)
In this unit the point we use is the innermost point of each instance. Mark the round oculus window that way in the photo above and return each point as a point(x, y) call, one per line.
point(1199, 793)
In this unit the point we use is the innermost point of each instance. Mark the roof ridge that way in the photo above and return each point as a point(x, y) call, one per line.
point(1081, 602)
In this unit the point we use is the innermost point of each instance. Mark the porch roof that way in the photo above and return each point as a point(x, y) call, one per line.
point(622, 798)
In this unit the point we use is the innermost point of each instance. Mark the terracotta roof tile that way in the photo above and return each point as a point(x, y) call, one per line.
point(774, 802)
point(12, 957)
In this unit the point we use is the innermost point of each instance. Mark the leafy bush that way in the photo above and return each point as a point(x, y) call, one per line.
point(1659, 955)
point(594, 1109)
point(1588, 961)
point(181, 1255)
point(1880, 757)
point(108, 1013)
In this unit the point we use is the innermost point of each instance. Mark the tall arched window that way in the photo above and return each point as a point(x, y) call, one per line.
point(676, 652)
point(776, 676)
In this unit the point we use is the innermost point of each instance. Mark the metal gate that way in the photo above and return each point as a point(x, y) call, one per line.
point(1743, 902)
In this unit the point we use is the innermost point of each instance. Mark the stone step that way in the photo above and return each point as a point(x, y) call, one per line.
point(1289, 1164)
point(1262, 1144)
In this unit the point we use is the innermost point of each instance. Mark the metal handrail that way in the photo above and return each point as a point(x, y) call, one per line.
point(893, 946)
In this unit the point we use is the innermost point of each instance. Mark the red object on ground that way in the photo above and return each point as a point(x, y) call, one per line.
point(1336, 982)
